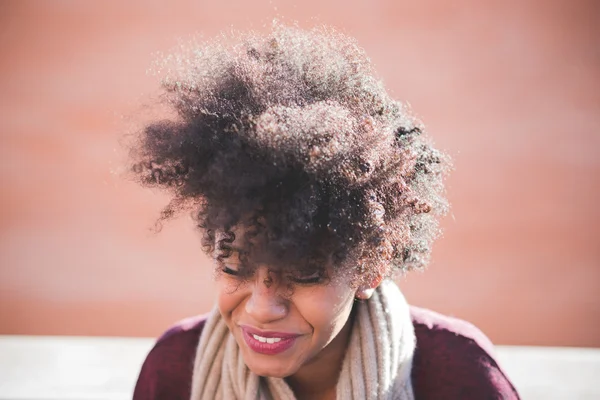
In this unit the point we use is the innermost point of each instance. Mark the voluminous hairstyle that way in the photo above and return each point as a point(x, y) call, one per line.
point(291, 137)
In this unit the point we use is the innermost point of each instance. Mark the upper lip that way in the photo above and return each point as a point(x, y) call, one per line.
point(268, 334)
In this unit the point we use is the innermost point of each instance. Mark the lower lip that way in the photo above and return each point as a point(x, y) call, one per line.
point(267, 348)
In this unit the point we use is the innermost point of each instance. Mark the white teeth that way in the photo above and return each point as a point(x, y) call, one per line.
point(267, 340)
point(260, 338)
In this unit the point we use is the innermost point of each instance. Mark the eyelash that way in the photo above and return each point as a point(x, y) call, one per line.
point(300, 281)
point(307, 281)
point(230, 271)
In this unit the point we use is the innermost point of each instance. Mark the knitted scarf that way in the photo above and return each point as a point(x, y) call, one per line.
point(377, 364)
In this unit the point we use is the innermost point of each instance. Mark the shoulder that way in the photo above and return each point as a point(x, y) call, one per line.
point(166, 373)
point(455, 360)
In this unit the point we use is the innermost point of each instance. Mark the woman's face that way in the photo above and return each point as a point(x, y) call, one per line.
point(280, 331)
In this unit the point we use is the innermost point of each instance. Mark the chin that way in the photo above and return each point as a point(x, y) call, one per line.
point(272, 369)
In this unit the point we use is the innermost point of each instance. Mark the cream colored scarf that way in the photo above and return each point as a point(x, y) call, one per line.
point(377, 364)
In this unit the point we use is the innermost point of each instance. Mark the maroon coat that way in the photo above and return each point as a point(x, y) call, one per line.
point(453, 360)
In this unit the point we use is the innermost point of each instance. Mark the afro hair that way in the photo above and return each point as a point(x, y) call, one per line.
point(291, 136)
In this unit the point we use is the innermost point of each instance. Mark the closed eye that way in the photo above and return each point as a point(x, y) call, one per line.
point(314, 278)
point(230, 271)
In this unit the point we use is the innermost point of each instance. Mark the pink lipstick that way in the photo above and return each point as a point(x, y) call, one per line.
point(267, 342)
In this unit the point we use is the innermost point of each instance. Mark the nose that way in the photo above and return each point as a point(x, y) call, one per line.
point(266, 304)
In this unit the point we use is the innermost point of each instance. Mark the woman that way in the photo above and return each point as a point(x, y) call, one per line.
point(312, 188)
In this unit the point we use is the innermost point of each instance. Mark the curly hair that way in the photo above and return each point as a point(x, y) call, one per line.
point(291, 136)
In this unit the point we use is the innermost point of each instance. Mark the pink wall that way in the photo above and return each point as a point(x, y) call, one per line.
point(510, 89)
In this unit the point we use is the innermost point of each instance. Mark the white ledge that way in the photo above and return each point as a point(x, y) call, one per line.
point(104, 368)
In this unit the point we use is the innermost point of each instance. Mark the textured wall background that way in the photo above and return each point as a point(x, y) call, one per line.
point(510, 89)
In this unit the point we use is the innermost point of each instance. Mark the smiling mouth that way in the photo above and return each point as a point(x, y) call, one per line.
point(271, 343)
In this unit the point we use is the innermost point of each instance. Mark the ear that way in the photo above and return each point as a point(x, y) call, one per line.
point(365, 291)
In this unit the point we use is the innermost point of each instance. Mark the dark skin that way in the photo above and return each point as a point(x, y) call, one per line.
point(319, 311)
point(319, 382)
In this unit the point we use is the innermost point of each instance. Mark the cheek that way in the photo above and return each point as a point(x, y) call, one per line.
point(229, 298)
point(327, 314)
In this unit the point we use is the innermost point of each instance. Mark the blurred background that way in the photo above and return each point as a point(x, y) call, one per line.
point(511, 90)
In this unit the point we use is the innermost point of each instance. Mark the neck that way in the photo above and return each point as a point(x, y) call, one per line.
point(318, 379)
